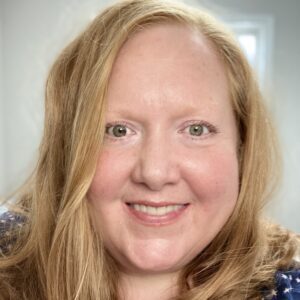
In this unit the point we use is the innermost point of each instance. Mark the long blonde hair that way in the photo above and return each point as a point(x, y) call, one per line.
point(58, 255)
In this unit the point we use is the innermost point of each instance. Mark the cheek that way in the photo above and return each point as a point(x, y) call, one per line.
point(214, 178)
point(110, 178)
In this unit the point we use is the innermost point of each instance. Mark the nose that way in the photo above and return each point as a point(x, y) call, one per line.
point(156, 164)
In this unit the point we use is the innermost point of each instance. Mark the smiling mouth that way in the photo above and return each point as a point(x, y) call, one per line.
point(156, 211)
point(156, 214)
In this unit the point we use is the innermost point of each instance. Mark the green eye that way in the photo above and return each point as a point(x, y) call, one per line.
point(117, 130)
point(196, 129)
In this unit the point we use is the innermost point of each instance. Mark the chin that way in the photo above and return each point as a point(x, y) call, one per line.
point(156, 267)
point(156, 264)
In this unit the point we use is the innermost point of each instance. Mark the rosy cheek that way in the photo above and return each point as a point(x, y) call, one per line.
point(112, 172)
point(102, 185)
point(213, 178)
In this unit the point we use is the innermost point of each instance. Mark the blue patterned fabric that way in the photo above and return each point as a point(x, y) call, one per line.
point(287, 286)
point(287, 282)
point(9, 221)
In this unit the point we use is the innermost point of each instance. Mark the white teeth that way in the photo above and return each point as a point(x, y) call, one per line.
point(156, 211)
point(171, 207)
point(143, 208)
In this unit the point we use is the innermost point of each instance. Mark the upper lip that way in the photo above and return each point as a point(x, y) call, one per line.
point(155, 203)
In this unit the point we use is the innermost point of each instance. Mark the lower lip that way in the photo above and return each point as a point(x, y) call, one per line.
point(152, 220)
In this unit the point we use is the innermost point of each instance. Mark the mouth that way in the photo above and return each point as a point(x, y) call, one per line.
point(156, 213)
point(156, 210)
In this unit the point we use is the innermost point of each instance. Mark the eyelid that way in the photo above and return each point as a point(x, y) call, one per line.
point(211, 128)
point(125, 124)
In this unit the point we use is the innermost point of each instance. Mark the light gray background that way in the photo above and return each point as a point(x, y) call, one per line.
point(32, 33)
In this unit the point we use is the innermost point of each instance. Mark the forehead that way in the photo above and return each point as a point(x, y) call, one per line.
point(172, 60)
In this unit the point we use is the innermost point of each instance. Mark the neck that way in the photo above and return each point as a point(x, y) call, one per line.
point(146, 287)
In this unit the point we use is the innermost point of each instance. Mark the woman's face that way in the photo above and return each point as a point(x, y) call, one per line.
point(167, 178)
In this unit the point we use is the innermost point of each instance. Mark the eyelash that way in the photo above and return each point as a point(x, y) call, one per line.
point(211, 128)
point(111, 125)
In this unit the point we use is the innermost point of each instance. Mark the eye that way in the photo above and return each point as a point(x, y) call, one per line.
point(200, 129)
point(117, 130)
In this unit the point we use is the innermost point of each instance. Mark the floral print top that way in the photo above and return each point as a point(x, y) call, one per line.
point(287, 282)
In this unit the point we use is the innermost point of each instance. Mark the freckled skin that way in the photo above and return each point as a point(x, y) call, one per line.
point(165, 76)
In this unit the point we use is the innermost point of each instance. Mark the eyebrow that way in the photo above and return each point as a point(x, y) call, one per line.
point(127, 113)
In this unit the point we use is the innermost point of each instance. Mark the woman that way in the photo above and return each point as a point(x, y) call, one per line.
point(156, 160)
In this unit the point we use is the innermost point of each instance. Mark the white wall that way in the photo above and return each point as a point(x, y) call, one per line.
point(33, 32)
point(2, 123)
point(283, 93)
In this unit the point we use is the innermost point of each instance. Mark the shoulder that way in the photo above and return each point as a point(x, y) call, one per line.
point(287, 286)
point(283, 253)
point(9, 223)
